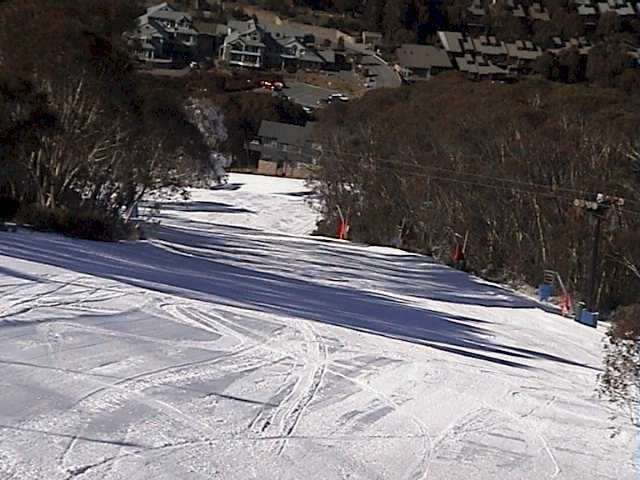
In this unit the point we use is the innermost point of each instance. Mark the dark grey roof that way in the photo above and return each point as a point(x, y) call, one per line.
point(282, 31)
point(241, 26)
point(586, 10)
point(489, 46)
point(160, 6)
point(451, 41)
point(422, 56)
point(523, 51)
point(252, 38)
point(169, 15)
point(210, 28)
point(538, 12)
point(328, 55)
point(286, 133)
point(477, 8)
point(311, 56)
point(477, 64)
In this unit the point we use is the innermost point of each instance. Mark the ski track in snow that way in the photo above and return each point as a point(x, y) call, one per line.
point(235, 345)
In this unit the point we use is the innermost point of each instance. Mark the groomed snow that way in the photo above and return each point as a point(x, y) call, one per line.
point(236, 346)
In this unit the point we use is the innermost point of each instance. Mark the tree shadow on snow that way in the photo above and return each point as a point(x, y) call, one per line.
point(213, 267)
point(72, 436)
point(207, 207)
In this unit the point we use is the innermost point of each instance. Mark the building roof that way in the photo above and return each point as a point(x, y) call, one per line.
point(621, 8)
point(489, 46)
point(283, 31)
point(210, 28)
point(538, 12)
point(160, 6)
point(312, 56)
point(451, 41)
point(328, 55)
point(523, 50)
point(467, 64)
point(422, 56)
point(286, 133)
point(245, 38)
point(518, 11)
point(586, 10)
point(478, 65)
point(241, 26)
point(156, 14)
point(477, 8)
point(169, 15)
point(302, 52)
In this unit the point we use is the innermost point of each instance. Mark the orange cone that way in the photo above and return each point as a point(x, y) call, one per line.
point(565, 306)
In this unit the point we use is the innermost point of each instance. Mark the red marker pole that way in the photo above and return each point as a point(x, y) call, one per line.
point(342, 229)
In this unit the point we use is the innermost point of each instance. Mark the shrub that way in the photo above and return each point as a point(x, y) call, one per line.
point(621, 376)
point(41, 218)
point(8, 207)
point(87, 225)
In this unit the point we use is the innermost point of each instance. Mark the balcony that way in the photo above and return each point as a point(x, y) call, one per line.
point(245, 52)
point(242, 63)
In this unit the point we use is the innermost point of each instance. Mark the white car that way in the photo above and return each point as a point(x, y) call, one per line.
point(338, 96)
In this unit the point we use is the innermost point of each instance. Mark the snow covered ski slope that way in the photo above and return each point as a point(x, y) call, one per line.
point(234, 346)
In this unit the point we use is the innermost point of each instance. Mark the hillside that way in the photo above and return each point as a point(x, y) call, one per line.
point(235, 345)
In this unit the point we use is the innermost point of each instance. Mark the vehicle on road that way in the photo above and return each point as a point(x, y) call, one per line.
point(339, 96)
point(273, 86)
point(335, 97)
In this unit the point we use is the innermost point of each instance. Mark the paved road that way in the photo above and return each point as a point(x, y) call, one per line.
point(307, 95)
point(383, 75)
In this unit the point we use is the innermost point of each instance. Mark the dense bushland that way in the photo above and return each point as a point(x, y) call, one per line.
point(90, 225)
point(620, 380)
point(501, 162)
point(79, 130)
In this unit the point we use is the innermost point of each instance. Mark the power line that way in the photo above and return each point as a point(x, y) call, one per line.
point(493, 186)
point(548, 194)
point(485, 177)
point(498, 187)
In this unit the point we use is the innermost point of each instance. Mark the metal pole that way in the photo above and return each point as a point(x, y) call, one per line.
point(593, 273)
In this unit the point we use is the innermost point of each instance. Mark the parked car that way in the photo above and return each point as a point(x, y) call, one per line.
point(369, 82)
point(273, 86)
point(339, 96)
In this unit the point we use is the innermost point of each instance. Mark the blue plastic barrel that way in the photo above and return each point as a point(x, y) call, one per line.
point(589, 318)
point(578, 307)
point(545, 290)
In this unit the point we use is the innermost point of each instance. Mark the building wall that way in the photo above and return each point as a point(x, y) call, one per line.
point(267, 167)
point(288, 169)
point(300, 170)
